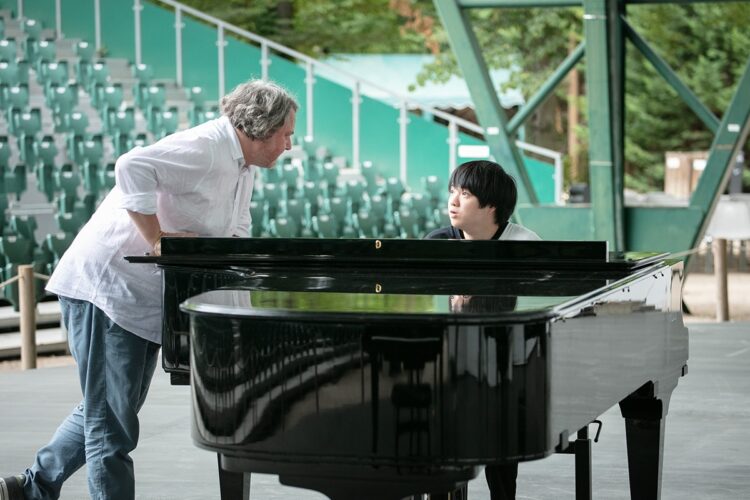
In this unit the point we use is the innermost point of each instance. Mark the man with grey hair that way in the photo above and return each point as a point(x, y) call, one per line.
point(194, 182)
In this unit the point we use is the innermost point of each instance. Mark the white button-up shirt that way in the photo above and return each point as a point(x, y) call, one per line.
point(196, 181)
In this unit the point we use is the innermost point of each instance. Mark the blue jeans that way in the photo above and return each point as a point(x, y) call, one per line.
point(115, 369)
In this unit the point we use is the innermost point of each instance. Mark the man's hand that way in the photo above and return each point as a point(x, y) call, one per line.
point(162, 234)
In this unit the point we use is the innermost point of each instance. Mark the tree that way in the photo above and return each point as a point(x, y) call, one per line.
point(320, 27)
point(708, 46)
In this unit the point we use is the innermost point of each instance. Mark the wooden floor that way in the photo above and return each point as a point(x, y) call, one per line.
point(707, 454)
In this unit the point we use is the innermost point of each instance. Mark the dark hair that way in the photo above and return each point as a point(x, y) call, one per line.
point(490, 184)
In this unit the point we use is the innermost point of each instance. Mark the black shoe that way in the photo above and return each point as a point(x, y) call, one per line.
point(11, 488)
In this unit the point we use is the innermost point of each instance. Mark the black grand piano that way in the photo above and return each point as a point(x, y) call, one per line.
point(380, 369)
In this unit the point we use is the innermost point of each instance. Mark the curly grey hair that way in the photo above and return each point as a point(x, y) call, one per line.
point(258, 108)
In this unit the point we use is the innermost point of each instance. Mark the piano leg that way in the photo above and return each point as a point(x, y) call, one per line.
point(233, 485)
point(645, 414)
point(501, 480)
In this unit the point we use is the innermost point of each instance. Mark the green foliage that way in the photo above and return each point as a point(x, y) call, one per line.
point(708, 47)
point(320, 27)
point(533, 42)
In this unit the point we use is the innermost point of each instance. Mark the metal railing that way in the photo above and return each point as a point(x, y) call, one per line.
point(310, 64)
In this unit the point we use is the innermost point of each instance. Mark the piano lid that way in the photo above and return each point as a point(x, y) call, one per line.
point(394, 253)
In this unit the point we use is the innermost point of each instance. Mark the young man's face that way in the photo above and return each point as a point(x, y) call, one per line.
point(280, 141)
point(465, 212)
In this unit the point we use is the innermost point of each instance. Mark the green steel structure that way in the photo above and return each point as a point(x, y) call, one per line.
point(606, 31)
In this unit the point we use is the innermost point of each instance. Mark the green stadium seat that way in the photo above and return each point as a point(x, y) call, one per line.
point(85, 52)
point(4, 151)
point(434, 189)
point(408, 221)
point(355, 190)
point(107, 177)
point(2, 28)
point(140, 140)
point(70, 222)
point(45, 180)
point(62, 100)
point(325, 226)
point(90, 150)
point(367, 226)
point(98, 78)
point(23, 71)
point(283, 227)
point(271, 175)
point(153, 103)
point(272, 195)
point(23, 226)
point(110, 99)
point(33, 31)
point(313, 191)
point(143, 74)
point(16, 251)
point(45, 150)
point(166, 123)
point(122, 126)
point(369, 172)
point(27, 127)
point(53, 74)
point(8, 50)
point(418, 203)
point(441, 217)
point(66, 182)
point(394, 189)
point(91, 177)
point(9, 74)
point(198, 116)
point(296, 209)
point(14, 180)
point(45, 51)
point(56, 244)
point(258, 214)
point(339, 207)
point(3, 218)
point(15, 98)
point(76, 125)
point(378, 206)
point(330, 173)
point(290, 175)
point(197, 96)
point(313, 170)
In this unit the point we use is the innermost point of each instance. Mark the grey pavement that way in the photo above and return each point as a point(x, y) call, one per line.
point(707, 450)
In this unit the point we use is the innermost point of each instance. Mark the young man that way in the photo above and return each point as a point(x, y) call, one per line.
point(482, 199)
point(195, 182)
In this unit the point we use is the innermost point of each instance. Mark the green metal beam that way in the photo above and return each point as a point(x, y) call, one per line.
point(486, 102)
point(616, 9)
point(548, 86)
point(731, 136)
point(607, 211)
point(661, 66)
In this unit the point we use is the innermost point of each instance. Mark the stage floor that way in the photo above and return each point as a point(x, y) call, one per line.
point(707, 450)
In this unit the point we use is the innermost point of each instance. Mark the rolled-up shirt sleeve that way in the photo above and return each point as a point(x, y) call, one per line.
point(143, 172)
